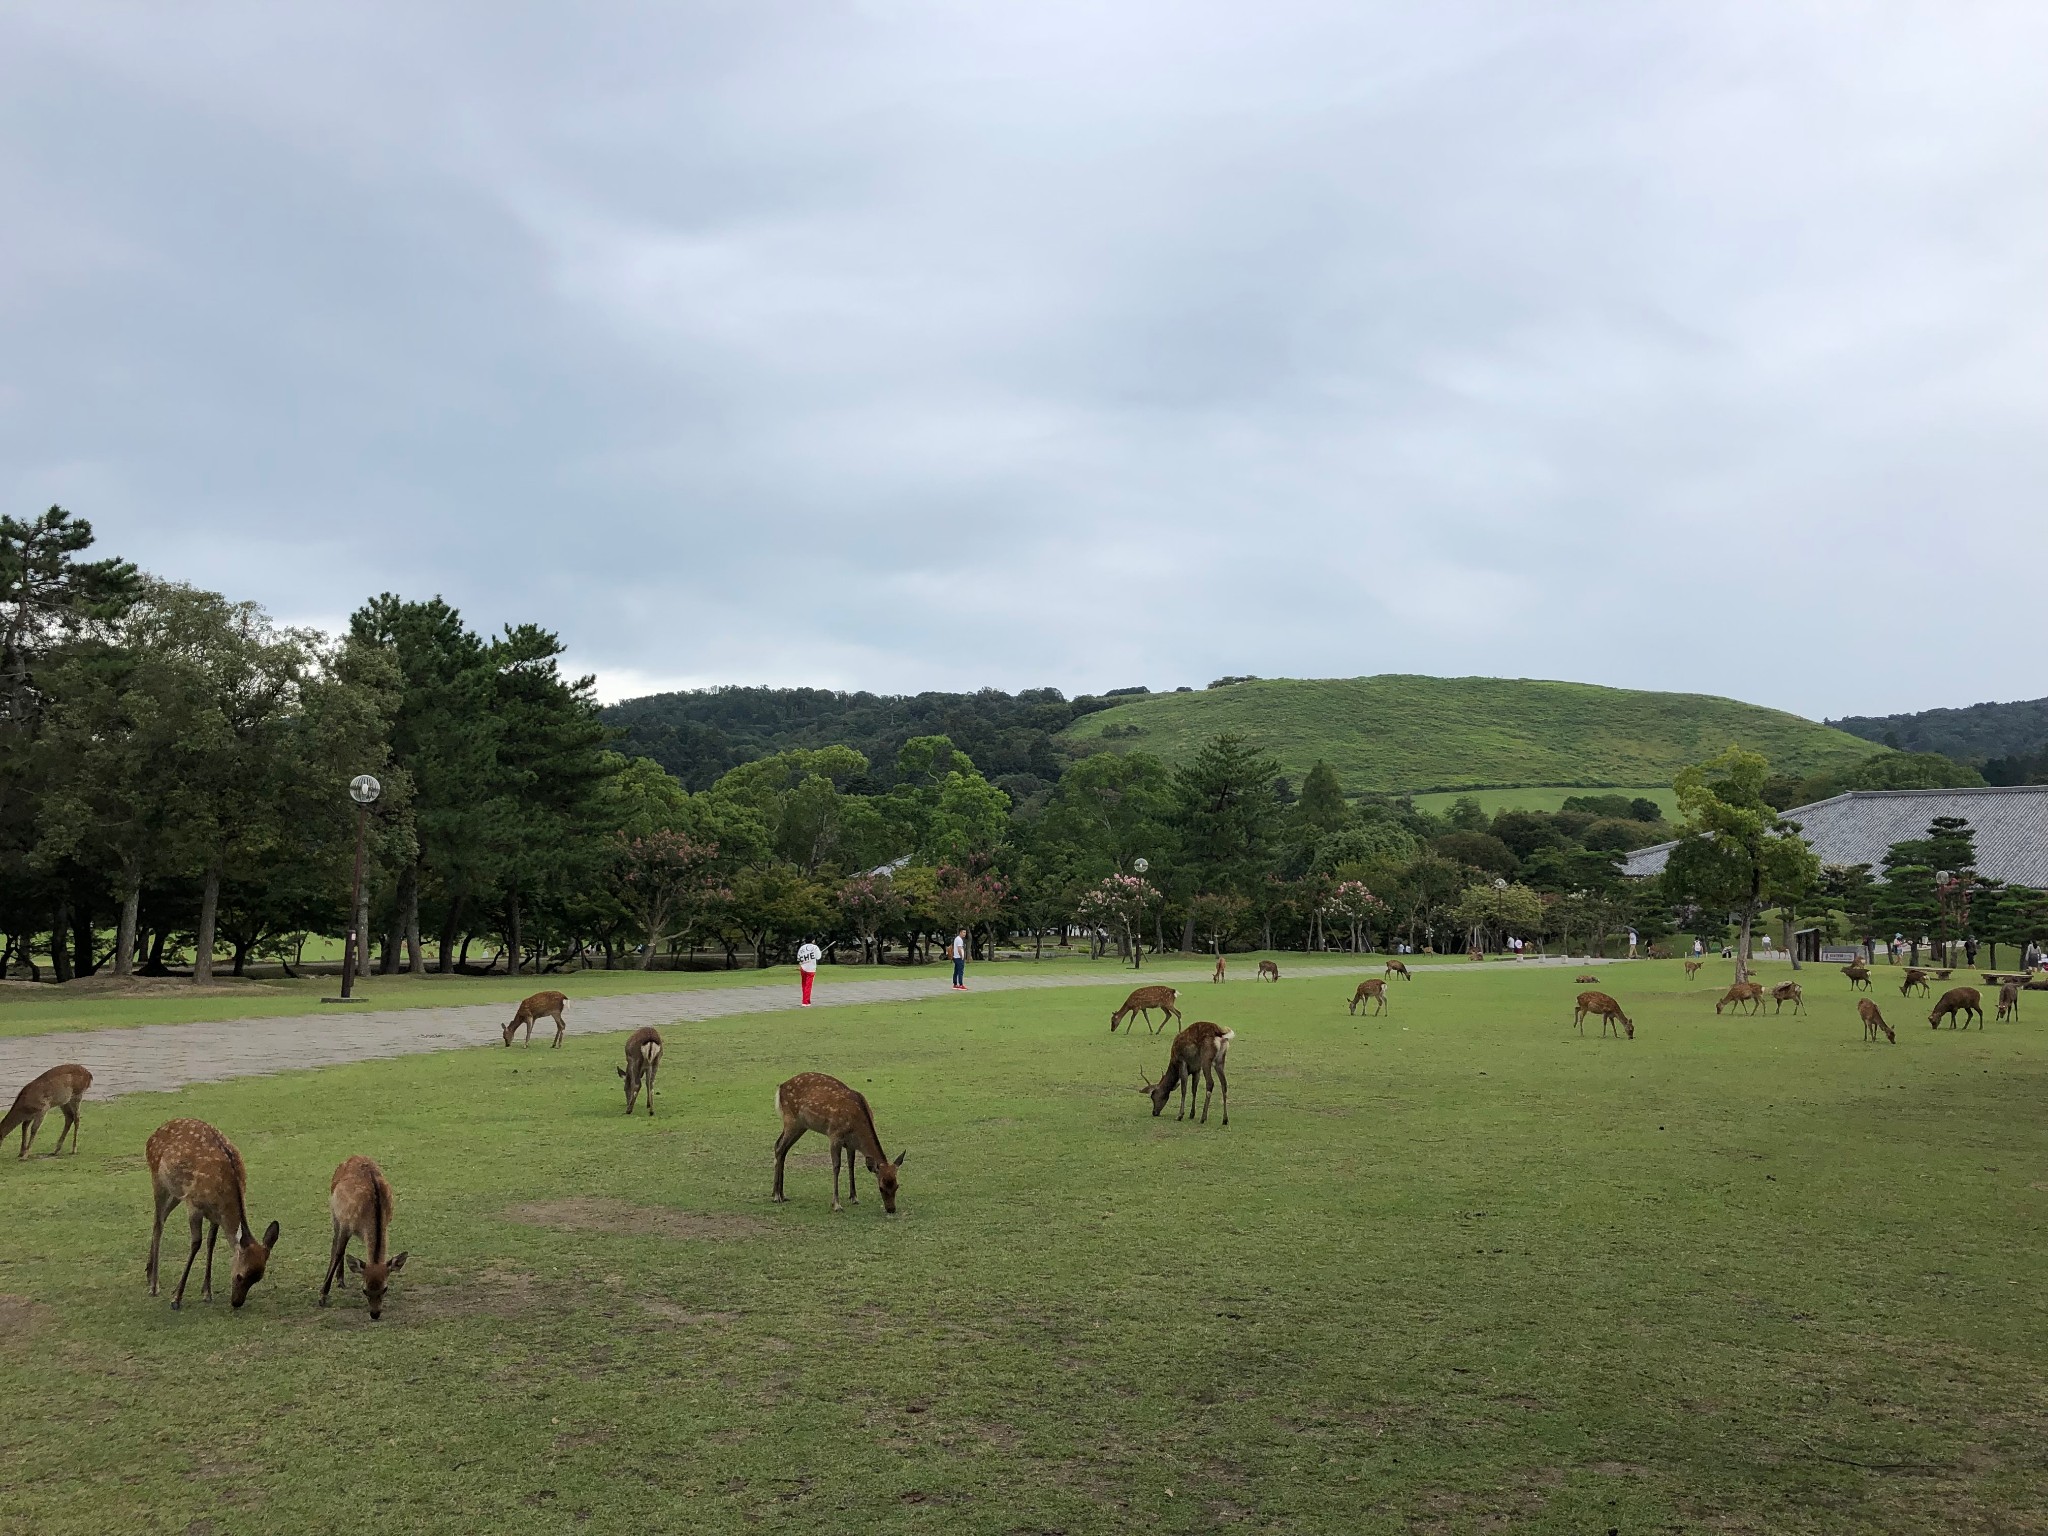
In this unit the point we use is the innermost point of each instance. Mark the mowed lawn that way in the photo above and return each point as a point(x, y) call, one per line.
point(1453, 1269)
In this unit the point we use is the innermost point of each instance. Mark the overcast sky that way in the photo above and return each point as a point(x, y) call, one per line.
point(904, 345)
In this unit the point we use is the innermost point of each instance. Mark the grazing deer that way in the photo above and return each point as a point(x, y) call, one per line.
point(1692, 969)
point(1957, 1000)
point(643, 1057)
point(2008, 1004)
point(359, 1197)
point(1268, 971)
point(811, 1101)
point(1914, 978)
point(542, 1005)
point(1374, 987)
point(1219, 969)
point(1398, 968)
point(60, 1088)
point(1198, 1051)
point(1873, 1021)
point(1589, 976)
point(191, 1161)
point(1789, 992)
point(1144, 1000)
point(1858, 974)
point(1611, 1016)
point(1751, 992)
point(2036, 981)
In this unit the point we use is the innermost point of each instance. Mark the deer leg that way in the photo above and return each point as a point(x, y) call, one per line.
point(334, 1261)
point(71, 1119)
point(28, 1132)
point(851, 1163)
point(835, 1178)
point(1209, 1085)
point(561, 1029)
point(198, 1222)
point(783, 1143)
point(156, 1237)
point(647, 1085)
point(1225, 1081)
point(212, 1237)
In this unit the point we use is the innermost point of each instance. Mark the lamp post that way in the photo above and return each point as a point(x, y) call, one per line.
point(364, 790)
point(1500, 911)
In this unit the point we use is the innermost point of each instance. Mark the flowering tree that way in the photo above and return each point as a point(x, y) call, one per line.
point(871, 904)
point(665, 881)
point(967, 898)
point(1218, 916)
point(1119, 902)
point(1351, 903)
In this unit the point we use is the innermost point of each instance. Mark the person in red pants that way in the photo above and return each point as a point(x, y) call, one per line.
point(807, 964)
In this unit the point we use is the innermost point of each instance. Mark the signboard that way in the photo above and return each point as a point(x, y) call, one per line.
point(1840, 954)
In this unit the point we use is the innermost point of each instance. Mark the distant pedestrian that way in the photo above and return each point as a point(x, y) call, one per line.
point(960, 961)
point(1970, 950)
point(1631, 943)
point(1699, 949)
point(807, 958)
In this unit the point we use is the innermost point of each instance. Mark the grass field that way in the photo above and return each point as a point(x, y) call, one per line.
point(1405, 733)
point(1454, 1269)
point(1544, 797)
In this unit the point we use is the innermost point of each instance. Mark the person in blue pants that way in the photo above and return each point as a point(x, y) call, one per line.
point(960, 961)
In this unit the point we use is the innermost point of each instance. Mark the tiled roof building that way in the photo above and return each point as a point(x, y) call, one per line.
point(2010, 821)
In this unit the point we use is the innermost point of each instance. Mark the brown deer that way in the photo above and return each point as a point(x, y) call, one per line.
point(2008, 1005)
point(643, 1057)
point(1692, 968)
point(1914, 978)
point(1858, 974)
point(1611, 1016)
point(1873, 1021)
point(1588, 977)
point(1750, 992)
point(1144, 1000)
point(191, 1161)
point(1268, 971)
point(811, 1101)
point(1957, 1000)
point(1198, 1051)
point(60, 1088)
point(1374, 987)
point(1219, 969)
point(1400, 969)
point(1789, 992)
point(542, 1005)
point(359, 1197)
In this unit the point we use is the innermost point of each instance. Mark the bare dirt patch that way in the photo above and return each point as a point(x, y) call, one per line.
point(622, 1217)
point(499, 1291)
point(19, 1317)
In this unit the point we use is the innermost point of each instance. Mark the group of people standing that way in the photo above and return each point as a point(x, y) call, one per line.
point(808, 955)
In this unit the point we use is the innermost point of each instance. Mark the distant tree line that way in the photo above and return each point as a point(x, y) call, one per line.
point(2006, 743)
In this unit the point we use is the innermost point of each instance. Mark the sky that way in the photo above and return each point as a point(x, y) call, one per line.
point(905, 345)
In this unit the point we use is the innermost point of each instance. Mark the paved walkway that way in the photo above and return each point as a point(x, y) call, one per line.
point(154, 1058)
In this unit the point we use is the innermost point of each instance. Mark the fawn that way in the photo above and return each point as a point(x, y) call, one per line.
point(60, 1088)
point(1374, 987)
point(1197, 1051)
point(1957, 1000)
point(811, 1101)
point(1873, 1021)
point(1750, 992)
point(1144, 1000)
point(1609, 1011)
point(643, 1057)
point(1692, 968)
point(191, 1161)
point(1268, 971)
point(1789, 992)
point(1914, 978)
point(1398, 968)
point(1219, 969)
point(359, 1197)
point(2008, 1004)
point(542, 1005)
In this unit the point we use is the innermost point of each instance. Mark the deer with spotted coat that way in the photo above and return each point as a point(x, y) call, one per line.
point(359, 1199)
point(1197, 1051)
point(191, 1161)
point(811, 1101)
point(1144, 1000)
point(542, 1005)
point(1607, 1010)
point(1373, 987)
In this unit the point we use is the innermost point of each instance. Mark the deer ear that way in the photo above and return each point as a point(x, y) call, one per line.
point(395, 1265)
point(270, 1235)
point(900, 1156)
point(355, 1265)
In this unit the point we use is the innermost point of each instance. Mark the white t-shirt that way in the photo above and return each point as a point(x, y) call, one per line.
point(959, 947)
point(807, 957)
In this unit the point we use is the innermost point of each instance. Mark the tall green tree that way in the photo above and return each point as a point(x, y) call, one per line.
point(1226, 815)
point(1735, 853)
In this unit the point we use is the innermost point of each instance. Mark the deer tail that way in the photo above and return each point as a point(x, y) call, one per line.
point(651, 1053)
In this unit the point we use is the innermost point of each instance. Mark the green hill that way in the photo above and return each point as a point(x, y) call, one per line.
point(1396, 732)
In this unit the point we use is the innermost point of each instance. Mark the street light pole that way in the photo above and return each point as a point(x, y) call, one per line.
point(364, 791)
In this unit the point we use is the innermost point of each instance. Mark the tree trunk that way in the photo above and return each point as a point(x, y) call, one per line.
point(513, 962)
point(209, 921)
point(124, 933)
point(653, 939)
point(1791, 942)
point(448, 928)
point(409, 899)
point(1187, 932)
point(242, 948)
point(60, 942)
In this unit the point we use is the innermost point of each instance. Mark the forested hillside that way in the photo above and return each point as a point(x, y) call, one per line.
point(1397, 733)
point(2009, 742)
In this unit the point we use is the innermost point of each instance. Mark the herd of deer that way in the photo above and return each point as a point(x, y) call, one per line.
point(191, 1163)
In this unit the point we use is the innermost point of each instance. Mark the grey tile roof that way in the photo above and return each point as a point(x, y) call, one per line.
point(2011, 823)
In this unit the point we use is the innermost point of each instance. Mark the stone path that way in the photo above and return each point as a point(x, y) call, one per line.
point(154, 1058)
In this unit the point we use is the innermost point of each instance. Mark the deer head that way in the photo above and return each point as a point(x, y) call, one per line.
point(376, 1276)
point(885, 1180)
point(251, 1258)
point(1160, 1092)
